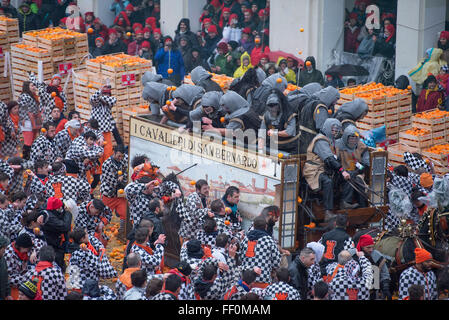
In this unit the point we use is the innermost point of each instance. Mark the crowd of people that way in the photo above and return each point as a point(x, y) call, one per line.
point(62, 180)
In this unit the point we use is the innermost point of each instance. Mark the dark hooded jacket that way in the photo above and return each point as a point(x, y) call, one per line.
point(192, 38)
point(202, 78)
point(298, 98)
point(313, 116)
point(27, 21)
point(191, 95)
point(259, 98)
point(246, 85)
point(299, 277)
point(209, 99)
point(306, 77)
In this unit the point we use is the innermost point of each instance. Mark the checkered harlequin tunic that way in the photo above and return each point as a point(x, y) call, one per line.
point(411, 276)
point(28, 105)
point(106, 293)
point(67, 187)
point(37, 186)
point(149, 261)
point(5, 168)
point(164, 296)
point(18, 271)
point(9, 146)
point(281, 291)
point(341, 286)
point(86, 221)
point(314, 273)
point(15, 218)
point(191, 214)
point(44, 149)
point(47, 101)
point(9, 224)
point(109, 176)
point(139, 203)
point(63, 141)
point(223, 281)
point(79, 150)
point(52, 283)
point(207, 239)
point(38, 242)
point(266, 256)
point(101, 110)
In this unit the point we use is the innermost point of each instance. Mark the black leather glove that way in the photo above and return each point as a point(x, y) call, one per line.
point(332, 163)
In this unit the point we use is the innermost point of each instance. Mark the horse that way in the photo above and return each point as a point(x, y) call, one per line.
point(398, 246)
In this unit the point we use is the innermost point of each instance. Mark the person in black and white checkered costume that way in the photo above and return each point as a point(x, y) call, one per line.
point(50, 276)
point(8, 223)
point(64, 138)
point(215, 277)
point(87, 260)
point(32, 220)
point(102, 103)
point(139, 195)
point(421, 273)
point(9, 145)
point(171, 288)
point(93, 216)
point(110, 176)
point(44, 147)
point(17, 257)
point(314, 271)
point(45, 95)
point(151, 259)
point(92, 291)
point(84, 151)
point(258, 249)
point(66, 187)
point(416, 163)
point(349, 279)
point(195, 210)
point(281, 290)
point(38, 179)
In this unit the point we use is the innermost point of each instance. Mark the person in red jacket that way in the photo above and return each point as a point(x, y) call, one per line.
point(351, 33)
point(122, 20)
point(259, 50)
point(431, 97)
point(136, 45)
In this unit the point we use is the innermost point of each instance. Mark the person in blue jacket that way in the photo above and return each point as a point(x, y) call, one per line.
point(169, 57)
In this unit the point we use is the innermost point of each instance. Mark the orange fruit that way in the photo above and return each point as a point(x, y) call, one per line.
point(329, 111)
point(301, 29)
point(83, 246)
point(170, 71)
point(257, 40)
point(121, 191)
point(222, 119)
point(299, 200)
point(128, 34)
point(90, 31)
point(308, 63)
point(90, 86)
point(36, 231)
point(300, 52)
point(168, 102)
point(120, 172)
point(225, 142)
point(228, 210)
point(43, 130)
point(278, 80)
point(53, 94)
point(192, 183)
point(227, 222)
point(280, 155)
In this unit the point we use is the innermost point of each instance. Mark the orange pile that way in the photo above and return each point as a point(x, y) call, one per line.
point(417, 132)
point(221, 79)
point(373, 90)
point(54, 33)
point(118, 253)
point(442, 149)
point(3, 18)
point(30, 48)
point(119, 60)
point(434, 114)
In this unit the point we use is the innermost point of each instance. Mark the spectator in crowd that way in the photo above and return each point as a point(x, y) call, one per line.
point(248, 21)
point(194, 60)
point(169, 62)
point(351, 33)
point(122, 20)
point(145, 52)
point(386, 43)
point(135, 46)
point(114, 44)
point(89, 18)
point(366, 47)
point(334, 80)
point(431, 97)
point(245, 60)
point(223, 61)
point(98, 50)
point(264, 21)
point(271, 68)
point(443, 44)
point(246, 41)
point(309, 73)
point(224, 17)
point(118, 6)
point(184, 30)
point(232, 31)
point(184, 48)
point(27, 19)
point(284, 71)
point(261, 48)
point(8, 9)
point(210, 42)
